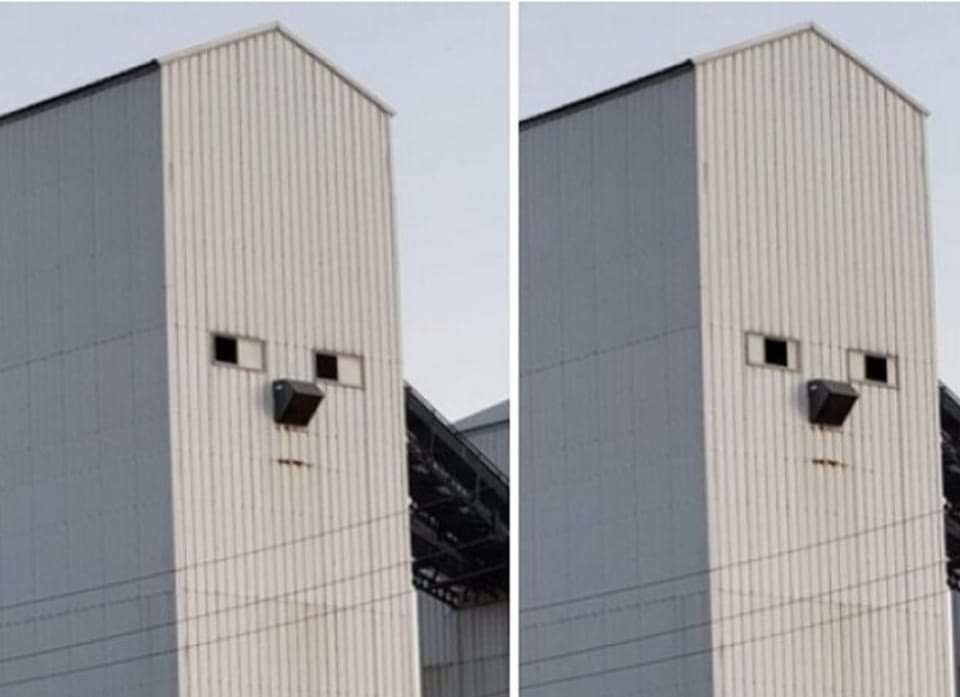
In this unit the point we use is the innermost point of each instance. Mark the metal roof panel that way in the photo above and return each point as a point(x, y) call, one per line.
point(82, 91)
point(494, 414)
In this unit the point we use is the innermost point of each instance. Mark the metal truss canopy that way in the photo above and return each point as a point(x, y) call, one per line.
point(460, 511)
point(950, 443)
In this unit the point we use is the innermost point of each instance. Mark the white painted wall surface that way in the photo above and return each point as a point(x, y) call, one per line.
point(280, 227)
point(814, 225)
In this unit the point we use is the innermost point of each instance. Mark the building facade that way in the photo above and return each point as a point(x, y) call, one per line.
point(173, 241)
point(730, 479)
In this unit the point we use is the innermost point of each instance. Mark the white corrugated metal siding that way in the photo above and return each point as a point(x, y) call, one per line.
point(814, 225)
point(280, 227)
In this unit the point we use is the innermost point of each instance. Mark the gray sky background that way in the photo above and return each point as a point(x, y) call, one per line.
point(444, 69)
point(570, 51)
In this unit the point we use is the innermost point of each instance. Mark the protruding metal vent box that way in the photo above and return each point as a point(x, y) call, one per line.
point(295, 401)
point(830, 401)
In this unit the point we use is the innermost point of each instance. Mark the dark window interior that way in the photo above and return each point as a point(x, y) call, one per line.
point(775, 352)
point(875, 368)
point(327, 366)
point(225, 349)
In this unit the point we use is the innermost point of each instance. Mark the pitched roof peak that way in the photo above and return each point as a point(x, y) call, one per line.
point(279, 28)
point(825, 36)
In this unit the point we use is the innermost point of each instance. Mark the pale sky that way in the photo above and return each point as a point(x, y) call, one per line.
point(444, 69)
point(569, 51)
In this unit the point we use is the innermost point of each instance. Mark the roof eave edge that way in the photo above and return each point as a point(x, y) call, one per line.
point(596, 97)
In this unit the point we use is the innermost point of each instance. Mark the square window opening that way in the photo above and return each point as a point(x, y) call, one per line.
point(326, 367)
point(875, 368)
point(775, 352)
point(225, 349)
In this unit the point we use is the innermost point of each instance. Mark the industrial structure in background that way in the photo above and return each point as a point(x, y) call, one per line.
point(460, 510)
point(950, 444)
point(950, 450)
point(728, 451)
point(203, 472)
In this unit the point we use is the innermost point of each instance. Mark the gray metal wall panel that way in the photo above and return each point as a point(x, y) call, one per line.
point(814, 225)
point(280, 227)
point(611, 456)
point(85, 490)
point(464, 653)
point(494, 442)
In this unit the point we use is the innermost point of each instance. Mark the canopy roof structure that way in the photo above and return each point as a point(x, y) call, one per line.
point(950, 443)
point(459, 511)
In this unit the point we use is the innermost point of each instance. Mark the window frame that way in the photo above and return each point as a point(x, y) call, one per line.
point(238, 338)
point(317, 354)
point(768, 341)
point(339, 356)
point(860, 377)
point(216, 338)
point(792, 346)
point(880, 364)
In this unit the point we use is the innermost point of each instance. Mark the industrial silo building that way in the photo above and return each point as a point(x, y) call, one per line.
point(203, 483)
point(729, 458)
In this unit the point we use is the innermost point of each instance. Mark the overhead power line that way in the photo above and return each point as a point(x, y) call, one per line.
point(286, 595)
point(728, 618)
point(404, 563)
point(723, 567)
point(219, 560)
point(201, 644)
point(723, 647)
